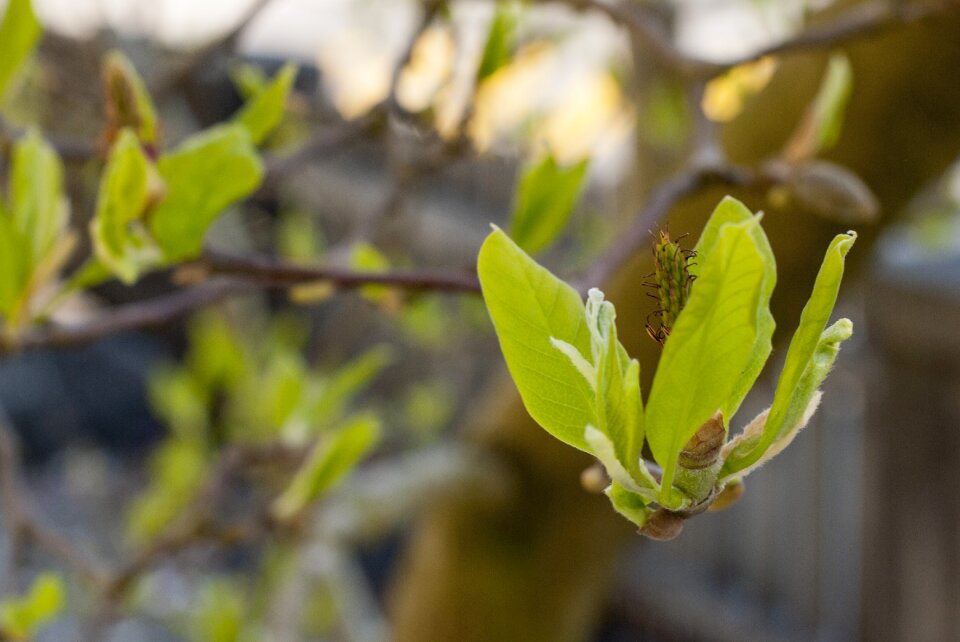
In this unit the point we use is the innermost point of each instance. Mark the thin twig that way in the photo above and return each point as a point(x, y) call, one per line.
point(22, 527)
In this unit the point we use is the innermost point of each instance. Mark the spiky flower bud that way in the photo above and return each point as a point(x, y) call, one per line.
point(671, 284)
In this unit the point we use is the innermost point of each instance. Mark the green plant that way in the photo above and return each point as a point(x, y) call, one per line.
point(578, 382)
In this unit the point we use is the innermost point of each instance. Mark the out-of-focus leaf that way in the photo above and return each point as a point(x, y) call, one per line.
point(22, 618)
point(831, 101)
point(335, 455)
point(709, 346)
point(546, 196)
point(530, 306)
point(220, 614)
point(263, 112)
point(346, 382)
point(249, 79)
point(501, 39)
point(120, 241)
point(128, 102)
point(36, 195)
point(725, 96)
point(177, 470)
point(205, 174)
point(14, 263)
point(19, 32)
point(366, 258)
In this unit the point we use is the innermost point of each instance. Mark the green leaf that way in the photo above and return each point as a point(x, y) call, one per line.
point(207, 173)
point(128, 98)
point(630, 505)
point(800, 355)
point(709, 346)
point(177, 470)
point(19, 33)
point(120, 241)
point(545, 199)
point(730, 210)
point(14, 264)
point(335, 455)
point(220, 614)
point(337, 391)
point(500, 41)
point(529, 306)
point(36, 195)
point(831, 102)
point(22, 618)
point(263, 112)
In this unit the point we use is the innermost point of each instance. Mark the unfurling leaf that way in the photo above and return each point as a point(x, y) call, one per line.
point(128, 102)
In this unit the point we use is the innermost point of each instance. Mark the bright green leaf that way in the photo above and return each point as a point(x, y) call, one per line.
point(546, 196)
point(730, 210)
point(529, 307)
point(335, 455)
point(36, 195)
point(221, 611)
point(120, 241)
point(205, 174)
point(709, 346)
point(19, 33)
point(249, 79)
point(801, 353)
point(22, 618)
point(263, 112)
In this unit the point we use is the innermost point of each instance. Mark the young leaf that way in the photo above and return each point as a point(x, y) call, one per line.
point(332, 458)
point(36, 195)
point(22, 618)
point(205, 174)
point(128, 102)
point(500, 42)
point(529, 307)
point(120, 241)
point(709, 347)
point(800, 354)
point(346, 382)
point(730, 210)
point(832, 99)
point(545, 199)
point(19, 32)
point(263, 112)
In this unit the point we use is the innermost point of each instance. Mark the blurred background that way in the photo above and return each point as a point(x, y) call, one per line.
point(467, 523)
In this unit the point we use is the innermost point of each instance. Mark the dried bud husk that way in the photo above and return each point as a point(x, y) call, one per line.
point(663, 525)
point(728, 496)
point(704, 447)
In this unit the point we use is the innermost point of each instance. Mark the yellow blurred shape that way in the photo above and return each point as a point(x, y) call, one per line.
point(592, 109)
point(430, 67)
point(357, 71)
point(312, 293)
point(510, 96)
point(726, 96)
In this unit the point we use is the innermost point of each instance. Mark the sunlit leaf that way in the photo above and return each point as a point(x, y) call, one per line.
point(529, 306)
point(22, 618)
point(800, 355)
